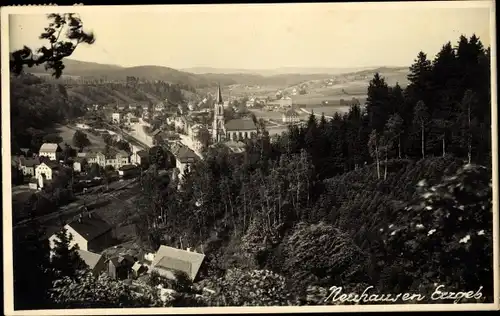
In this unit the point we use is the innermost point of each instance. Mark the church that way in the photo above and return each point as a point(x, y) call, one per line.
point(232, 130)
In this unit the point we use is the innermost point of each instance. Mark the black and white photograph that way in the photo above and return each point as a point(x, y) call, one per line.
point(244, 157)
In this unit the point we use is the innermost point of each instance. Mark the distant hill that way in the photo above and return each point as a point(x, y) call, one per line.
point(274, 72)
point(279, 78)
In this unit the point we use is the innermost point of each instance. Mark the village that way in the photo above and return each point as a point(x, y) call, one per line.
point(92, 174)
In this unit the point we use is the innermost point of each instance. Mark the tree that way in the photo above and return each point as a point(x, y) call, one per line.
point(419, 78)
point(323, 255)
point(445, 234)
point(31, 266)
point(70, 27)
point(52, 138)
point(467, 104)
point(65, 258)
point(80, 140)
point(421, 117)
point(88, 291)
point(443, 126)
point(377, 103)
point(374, 148)
point(394, 127)
point(157, 156)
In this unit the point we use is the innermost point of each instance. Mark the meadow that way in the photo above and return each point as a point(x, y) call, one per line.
point(66, 132)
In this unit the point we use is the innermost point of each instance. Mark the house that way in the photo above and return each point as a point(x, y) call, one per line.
point(28, 166)
point(132, 106)
point(50, 150)
point(89, 232)
point(138, 269)
point(159, 107)
point(169, 260)
point(120, 267)
point(33, 184)
point(117, 159)
point(290, 116)
point(121, 107)
point(97, 158)
point(115, 118)
point(194, 131)
point(142, 158)
point(47, 170)
point(95, 262)
point(250, 103)
point(79, 164)
point(184, 157)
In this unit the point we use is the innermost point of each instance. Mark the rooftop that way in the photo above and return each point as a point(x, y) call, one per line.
point(90, 226)
point(49, 147)
point(169, 258)
point(240, 125)
point(90, 258)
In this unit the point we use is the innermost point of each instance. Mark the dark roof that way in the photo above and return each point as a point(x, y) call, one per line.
point(90, 227)
point(52, 164)
point(127, 167)
point(31, 162)
point(240, 125)
point(184, 154)
point(142, 153)
point(79, 159)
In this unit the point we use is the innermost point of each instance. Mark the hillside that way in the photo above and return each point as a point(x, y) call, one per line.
point(274, 72)
point(37, 105)
point(273, 80)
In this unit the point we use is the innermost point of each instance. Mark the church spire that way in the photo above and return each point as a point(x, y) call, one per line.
point(219, 95)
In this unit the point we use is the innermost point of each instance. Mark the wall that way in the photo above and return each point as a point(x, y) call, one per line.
point(102, 242)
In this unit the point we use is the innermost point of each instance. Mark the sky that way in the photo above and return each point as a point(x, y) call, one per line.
point(264, 36)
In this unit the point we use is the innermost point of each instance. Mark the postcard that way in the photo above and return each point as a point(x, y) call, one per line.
point(249, 158)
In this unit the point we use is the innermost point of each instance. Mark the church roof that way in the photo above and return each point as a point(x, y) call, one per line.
point(219, 95)
point(240, 125)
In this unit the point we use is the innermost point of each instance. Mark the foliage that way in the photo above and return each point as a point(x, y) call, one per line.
point(65, 258)
point(322, 254)
point(446, 233)
point(80, 140)
point(70, 26)
point(252, 288)
point(89, 291)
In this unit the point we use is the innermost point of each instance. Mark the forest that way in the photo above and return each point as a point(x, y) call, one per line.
point(396, 195)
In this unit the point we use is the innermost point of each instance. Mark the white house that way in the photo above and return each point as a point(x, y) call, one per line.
point(50, 150)
point(290, 116)
point(184, 157)
point(78, 164)
point(88, 231)
point(115, 118)
point(46, 169)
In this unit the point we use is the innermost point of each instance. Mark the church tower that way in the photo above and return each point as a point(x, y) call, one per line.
point(218, 129)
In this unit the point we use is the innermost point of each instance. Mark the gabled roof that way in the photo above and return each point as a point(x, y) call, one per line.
point(90, 258)
point(170, 259)
point(90, 227)
point(240, 125)
point(49, 147)
point(31, 162)
point(184, 154)
point(52, 164)
point(142, 153)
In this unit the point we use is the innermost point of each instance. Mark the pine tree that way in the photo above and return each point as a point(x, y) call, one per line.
point(64, 257)
point(377, 103)
point(419, 78)
point(420, 119)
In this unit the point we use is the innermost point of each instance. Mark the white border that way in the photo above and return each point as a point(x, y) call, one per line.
point(6, 171)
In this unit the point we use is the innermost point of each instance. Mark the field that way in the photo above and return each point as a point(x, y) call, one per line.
point(66, 132)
